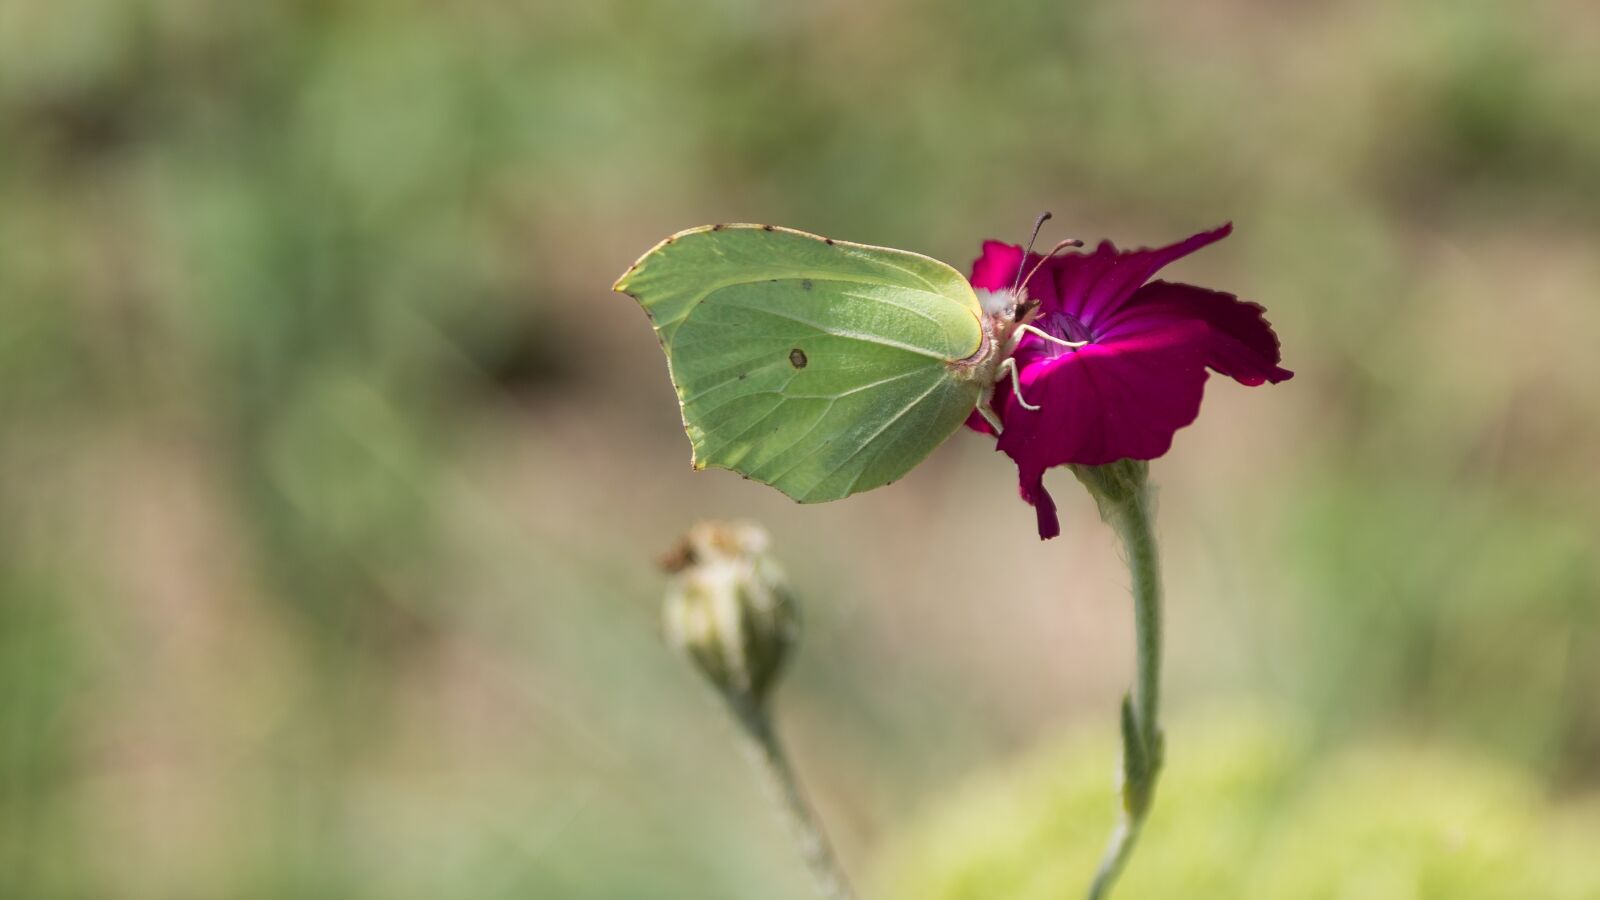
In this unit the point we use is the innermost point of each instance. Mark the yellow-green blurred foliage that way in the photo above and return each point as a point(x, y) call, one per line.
point(332, 474)
point(1246, 812)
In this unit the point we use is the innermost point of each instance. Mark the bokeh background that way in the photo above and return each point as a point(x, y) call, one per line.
point(332, 475)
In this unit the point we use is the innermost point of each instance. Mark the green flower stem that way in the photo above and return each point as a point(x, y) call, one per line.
point(1122, 492)
point(766, 750)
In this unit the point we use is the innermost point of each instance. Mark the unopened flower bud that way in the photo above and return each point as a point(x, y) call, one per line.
point(729, 609)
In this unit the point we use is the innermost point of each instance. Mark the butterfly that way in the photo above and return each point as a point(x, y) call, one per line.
point(822, 367)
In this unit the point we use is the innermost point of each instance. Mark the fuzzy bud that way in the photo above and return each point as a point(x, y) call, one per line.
point(729, 608)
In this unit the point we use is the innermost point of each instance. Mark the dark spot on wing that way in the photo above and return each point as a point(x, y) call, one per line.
point(805, 284)
point(797, 358)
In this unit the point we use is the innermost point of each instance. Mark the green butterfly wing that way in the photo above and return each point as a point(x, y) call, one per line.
point(817, 366)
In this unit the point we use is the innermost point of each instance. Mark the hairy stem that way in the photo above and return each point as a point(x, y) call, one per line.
point(766, 749)
point(1123, 494)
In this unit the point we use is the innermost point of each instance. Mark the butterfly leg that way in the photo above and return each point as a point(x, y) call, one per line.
point(1016, 383)
point(986, 409)
point(1037, 332)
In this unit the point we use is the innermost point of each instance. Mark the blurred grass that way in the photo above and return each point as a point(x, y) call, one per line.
point(1249, 811)
point(331, 472)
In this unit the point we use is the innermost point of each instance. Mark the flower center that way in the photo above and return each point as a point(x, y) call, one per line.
point(1064, 326)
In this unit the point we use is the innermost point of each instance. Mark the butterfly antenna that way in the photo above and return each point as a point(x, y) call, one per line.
point(1037, 224)
point(1064, 245)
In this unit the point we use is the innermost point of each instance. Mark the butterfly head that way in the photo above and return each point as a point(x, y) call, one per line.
point(1007, 312)
point(1007, 316)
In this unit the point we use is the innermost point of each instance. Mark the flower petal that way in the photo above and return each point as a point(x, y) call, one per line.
point(1101, 403)
point(1087, 286)
point(1044, 505)
point(1242, 344)
point(1142, 374)
point(1120, 399)
point(1095, 286)
point(996, 268)
point(978, 423)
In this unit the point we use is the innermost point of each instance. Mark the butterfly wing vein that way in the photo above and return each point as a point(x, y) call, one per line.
point(817, 367)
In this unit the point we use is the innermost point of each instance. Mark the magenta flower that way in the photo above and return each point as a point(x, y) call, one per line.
point(1139, 378)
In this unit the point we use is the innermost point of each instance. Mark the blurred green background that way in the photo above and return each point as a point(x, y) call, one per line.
point(332, 474)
